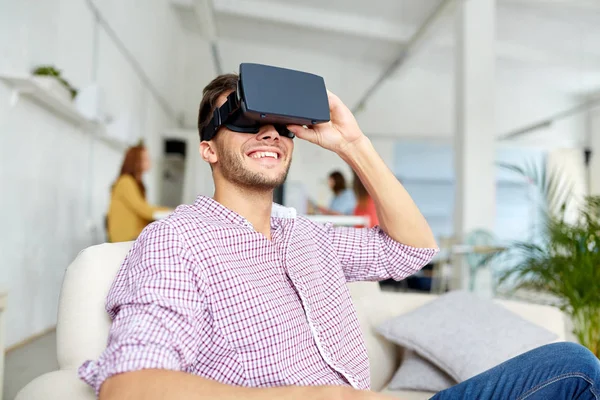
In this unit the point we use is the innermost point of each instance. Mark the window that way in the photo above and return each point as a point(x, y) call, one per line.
point(427, 172)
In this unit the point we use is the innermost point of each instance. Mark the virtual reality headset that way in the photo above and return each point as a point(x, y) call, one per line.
point(268, 95)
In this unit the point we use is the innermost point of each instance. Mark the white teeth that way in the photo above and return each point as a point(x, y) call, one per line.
point(261, 154)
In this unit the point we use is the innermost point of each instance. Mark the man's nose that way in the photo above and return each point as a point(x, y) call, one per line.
point(267, 132)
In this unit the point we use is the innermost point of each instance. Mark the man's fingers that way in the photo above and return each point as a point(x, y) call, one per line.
point(297, 129)
point(304, 133)
point(332, 96)
point(334, 101)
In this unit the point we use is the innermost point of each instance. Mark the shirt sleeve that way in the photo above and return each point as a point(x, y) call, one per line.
point(370, 254)
point(158, 310)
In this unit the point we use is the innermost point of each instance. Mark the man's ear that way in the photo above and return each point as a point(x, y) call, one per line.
point(208, 152)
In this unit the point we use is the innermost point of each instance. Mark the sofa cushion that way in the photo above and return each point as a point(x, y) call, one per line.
point(416, 373)
point(463, 334)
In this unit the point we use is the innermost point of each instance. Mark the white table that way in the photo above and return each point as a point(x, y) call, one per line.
point(340, 220)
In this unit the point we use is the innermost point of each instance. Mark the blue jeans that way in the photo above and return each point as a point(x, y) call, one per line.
point(555, 371)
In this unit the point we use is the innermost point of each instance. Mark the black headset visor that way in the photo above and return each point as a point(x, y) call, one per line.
point(269, 95)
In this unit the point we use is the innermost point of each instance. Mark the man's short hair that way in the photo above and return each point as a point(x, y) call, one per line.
point(221, 84)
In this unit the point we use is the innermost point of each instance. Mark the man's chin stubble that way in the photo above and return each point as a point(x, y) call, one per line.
point(241, 175)
point(254, 181)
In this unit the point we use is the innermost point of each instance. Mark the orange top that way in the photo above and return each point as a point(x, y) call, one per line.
point(367, 210)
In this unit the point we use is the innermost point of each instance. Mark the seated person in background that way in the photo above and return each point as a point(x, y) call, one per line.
point(365, 206)
point(129, 213)
point(234, 297)
point(343, 201)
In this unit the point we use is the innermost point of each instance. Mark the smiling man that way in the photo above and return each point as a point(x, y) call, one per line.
point(235, 297)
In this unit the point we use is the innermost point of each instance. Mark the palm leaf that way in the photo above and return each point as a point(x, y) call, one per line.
point(565, 263)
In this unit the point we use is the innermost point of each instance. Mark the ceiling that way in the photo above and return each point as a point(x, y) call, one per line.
point(547, 54)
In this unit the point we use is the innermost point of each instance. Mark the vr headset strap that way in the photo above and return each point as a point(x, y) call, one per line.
point(220, 116)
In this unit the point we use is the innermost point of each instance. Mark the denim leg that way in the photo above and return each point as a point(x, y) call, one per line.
point(555, 371)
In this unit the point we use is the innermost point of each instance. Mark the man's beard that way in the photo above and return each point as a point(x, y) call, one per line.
point(233, 169)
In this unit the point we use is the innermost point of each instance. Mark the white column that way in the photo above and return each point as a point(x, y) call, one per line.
point(594, 141)
point(475, 126)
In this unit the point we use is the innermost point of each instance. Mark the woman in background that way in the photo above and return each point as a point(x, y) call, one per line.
point(129, 212)
point(343, 201)
point(365, 206)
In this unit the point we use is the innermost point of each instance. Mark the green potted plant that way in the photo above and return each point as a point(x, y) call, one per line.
point(563, 256)
point(565, 262)
point(51, 79)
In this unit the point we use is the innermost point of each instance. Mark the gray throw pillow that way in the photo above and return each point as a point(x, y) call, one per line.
point(463, 334)
point(416, 373)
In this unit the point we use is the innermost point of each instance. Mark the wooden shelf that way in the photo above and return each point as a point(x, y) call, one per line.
point(26, 86)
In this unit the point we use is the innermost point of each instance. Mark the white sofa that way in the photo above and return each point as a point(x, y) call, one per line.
point(373, 307)
point(83, 325)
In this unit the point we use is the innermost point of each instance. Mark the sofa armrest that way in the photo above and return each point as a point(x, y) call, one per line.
point(57, 385)
point(547, 317)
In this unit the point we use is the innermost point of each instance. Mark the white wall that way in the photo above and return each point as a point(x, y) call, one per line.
point(419, 102)
point(54, 177)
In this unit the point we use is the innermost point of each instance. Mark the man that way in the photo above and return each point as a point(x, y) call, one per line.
point(234, 297)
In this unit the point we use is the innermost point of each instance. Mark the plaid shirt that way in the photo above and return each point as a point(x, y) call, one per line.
point(203, 292)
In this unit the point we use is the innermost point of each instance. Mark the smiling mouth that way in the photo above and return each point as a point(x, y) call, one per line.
point(264, 154)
